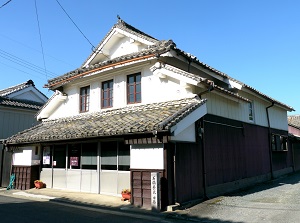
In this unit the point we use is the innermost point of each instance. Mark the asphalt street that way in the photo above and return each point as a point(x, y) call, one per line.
point(275, 201)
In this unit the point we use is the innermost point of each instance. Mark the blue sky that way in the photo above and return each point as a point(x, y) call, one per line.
point(256, 42)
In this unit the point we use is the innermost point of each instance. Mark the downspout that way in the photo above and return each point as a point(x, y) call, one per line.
point(269, 138)
point(201, 134)
point(174, 174)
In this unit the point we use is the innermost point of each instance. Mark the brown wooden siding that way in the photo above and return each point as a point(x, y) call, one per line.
point(25, 176)
point(189, 184)
point(296, 152)
point(234, 150)
point(141, 187)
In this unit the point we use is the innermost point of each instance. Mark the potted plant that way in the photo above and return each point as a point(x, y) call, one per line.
point(38, 184)
point(126, 194)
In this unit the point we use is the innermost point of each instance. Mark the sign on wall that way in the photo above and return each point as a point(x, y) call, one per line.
point(74, 161)
point(155, 190)
point(46, 155)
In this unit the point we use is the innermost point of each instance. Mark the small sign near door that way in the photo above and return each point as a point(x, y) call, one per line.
point(155, 191)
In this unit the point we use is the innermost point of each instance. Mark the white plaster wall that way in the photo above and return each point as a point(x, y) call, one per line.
point(23, 156)
point(187, 135)
point(70, 106)
point(147, 156)
point(124, 46)
point(227, 108)
point(154, 89)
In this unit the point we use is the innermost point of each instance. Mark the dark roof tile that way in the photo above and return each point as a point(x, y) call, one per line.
point(132, 119)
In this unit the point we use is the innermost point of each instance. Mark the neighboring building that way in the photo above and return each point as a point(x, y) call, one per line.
point(138, 106)
point(294, 135)
point(18, 107)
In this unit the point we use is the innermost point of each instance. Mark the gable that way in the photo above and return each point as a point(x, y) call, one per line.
point(29, 94)
point(122, 39)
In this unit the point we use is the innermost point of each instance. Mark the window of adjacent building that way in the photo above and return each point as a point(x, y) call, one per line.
point(84, 99)
point(134, 88)
point(279, 143)
point(251, 111)
point(107, 94)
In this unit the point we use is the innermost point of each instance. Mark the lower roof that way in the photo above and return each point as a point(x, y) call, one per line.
point(132, 119)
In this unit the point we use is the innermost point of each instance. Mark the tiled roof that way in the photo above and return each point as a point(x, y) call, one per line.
point(132, 119)
point(159, 47)
point(294, 120)
point(128, 28)
point(6, 92)
point(5, 95)
point(17, 103)
point(199, 79)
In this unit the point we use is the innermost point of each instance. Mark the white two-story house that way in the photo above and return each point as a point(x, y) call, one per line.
point(139, 105)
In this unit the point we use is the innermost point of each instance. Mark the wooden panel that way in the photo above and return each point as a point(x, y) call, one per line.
point(296, 149)
point(189, 178)
point(141, 187)
point(234, 153)
point(25, 176)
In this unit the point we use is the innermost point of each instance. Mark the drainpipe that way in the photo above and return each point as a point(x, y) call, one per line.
point(201, 134)
point(174, 174)
point(270, 142)
point(210, 88)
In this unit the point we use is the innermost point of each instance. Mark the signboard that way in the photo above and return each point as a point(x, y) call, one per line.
point(155, 191)
point(73, 161)
point(46, 155)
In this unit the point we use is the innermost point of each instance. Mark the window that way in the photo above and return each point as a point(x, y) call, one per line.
point(89, 156)
point(279, 143)
point(74, 151)
point(124, 157)
point(134, 88)
point(84, 99)
point(115, 156)
point(109, 156)
point(107, 94)
point(250, 107)
point(59, 157)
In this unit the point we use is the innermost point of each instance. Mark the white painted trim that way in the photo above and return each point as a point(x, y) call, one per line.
point(189, 120)
point(52, 106)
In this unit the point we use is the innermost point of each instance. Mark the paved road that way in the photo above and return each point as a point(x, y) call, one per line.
point(277, 201)
point(13, 210)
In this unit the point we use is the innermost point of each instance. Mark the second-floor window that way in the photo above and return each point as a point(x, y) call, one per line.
point(251, 112)
point(107, 94)
point(84, 99)
point(134, 88)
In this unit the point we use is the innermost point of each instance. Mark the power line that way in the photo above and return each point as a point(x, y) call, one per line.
point(33, 49)
point(23, 63)
point(38, 22)
point(5, 4)
point(93, 47)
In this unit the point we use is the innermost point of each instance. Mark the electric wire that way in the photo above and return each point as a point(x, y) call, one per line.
point(38, 51)
point(93, 47)
point(31, 74)
point(24, 63)
point(38, 22)
point(5, 4)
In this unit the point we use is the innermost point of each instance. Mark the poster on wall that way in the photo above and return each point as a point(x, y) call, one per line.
point(74, 161)
point(46, 155)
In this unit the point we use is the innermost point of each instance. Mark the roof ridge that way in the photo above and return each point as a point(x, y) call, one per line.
point(121, 24)
point(15, 88)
